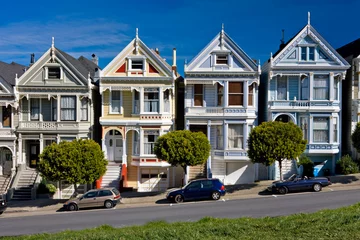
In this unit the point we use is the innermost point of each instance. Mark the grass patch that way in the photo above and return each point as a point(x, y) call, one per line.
point(342, 223)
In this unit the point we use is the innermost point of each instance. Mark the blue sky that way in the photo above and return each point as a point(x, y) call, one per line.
point(106, 27)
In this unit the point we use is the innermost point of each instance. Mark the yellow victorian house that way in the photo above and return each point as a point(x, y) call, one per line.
point(138, 105)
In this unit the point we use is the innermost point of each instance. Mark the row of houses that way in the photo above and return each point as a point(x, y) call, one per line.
point(138, 96)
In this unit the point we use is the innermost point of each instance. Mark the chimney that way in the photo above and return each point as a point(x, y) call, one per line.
point(157, 51)
point(282, 44)
point(95, 59)
point(174, 60)
point(32, 59)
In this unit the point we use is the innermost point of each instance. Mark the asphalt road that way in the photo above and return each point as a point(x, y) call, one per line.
point(258, 207)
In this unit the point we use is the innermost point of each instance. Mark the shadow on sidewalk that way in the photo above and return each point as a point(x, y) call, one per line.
point(35, 203)
point(239, 187)
point(344, 179)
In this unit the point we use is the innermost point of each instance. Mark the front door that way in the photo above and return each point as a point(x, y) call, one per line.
point(118, 149)
point(34, 155)
point(114, 145)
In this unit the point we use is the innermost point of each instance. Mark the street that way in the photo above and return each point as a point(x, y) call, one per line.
point(275, 205)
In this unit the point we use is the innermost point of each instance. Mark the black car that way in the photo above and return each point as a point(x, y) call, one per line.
point(3, 205)
point(209, 188)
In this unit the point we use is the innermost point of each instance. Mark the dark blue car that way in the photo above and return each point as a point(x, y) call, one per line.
point(296, 184)
point(211, 188)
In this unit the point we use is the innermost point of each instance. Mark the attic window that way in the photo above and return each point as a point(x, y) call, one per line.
point(54, 73)
point(221, 59)
point(137, 64)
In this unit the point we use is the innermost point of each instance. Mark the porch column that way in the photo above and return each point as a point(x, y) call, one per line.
point(331, 129)
point(311, 84)
point(187, 125)
point(225, 134)
point(226, 94)
point(331, 86)
point(13, 159)
point(20, 141)
point(141, 142)
point(246, 90)
point(245, 132)
point(41, 140)
point(209, 173)
point(124, 151)
point(161, 100)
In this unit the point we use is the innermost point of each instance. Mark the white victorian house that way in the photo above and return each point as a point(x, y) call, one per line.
point(221, 87)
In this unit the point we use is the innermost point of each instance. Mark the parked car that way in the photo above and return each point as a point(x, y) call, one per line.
point(297, 183)
point(3, 205)
point(103, 197)
point(198, 189)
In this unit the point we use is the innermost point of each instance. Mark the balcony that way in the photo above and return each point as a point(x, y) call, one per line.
point(52, 126)
point(317, 105)
point(7, 132)
point(329, 148)
point(230, 154)
point(219, 111)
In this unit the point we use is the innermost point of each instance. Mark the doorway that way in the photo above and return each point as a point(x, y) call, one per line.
point(34, 151)
point(114, 145)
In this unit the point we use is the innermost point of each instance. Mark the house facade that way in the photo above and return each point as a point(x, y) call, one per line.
point(303, 84)
point(137, 89)
point(221, 87)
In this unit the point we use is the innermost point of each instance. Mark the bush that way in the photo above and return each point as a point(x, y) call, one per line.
point(307, 164)
point(346, 165)
point(46, 188)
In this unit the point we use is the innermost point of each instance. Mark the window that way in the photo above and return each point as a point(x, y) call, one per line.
point(305, 89)
point(194, 185)
point(220, 95)
point(6, 116)
point(136, 109)
point(221, 59)
point(336, 90)
point(54, 109)
point(236, 93)
point(67, 139)
point(304, 127)
point(90, 194)
point(151, 98)
point(207, 184)
point(137, 64)
point(251, 95)
point(198, 94)
point(136, 146)
point(235, 133)
point(150, 137)
point(115, 102)
point(282, 88)
point(321, 129)
point(53, 73)
point(307, 53)
point(84, 109)
point(104, 193)
point(68, 108)
point(321, 87)
point(35, 108)
point(335, 130)
point(167, 100)
point(219, 137)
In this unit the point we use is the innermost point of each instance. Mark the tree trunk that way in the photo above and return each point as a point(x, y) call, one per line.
point(280, 169)
point(74, 195)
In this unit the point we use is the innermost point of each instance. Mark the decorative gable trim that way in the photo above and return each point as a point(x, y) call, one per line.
point(152, 69)
point(122, 69)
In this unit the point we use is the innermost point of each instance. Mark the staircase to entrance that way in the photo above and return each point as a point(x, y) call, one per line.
point(25, 184)
point(112, 176)
point(4, 183)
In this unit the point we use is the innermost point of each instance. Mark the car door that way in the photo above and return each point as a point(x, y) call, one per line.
point(206, 189)
point(192, 191)
point(102, 197)
point(88, 200)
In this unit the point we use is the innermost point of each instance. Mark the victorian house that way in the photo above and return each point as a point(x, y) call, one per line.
point(137, 89)
point(8, 121)
point(221, 87)
point(55, 104)
point(303, 84)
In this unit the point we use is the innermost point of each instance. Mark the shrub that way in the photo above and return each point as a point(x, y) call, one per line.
point(307, 164)
point(346, 165)
point(45, 188)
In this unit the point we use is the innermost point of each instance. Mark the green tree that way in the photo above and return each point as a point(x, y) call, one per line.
point(355, 137)
point(183, 148)
point(275, 141)
point(78, 162)
point(308, 165)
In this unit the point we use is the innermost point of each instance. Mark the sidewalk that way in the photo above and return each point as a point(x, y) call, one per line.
point(135, 199)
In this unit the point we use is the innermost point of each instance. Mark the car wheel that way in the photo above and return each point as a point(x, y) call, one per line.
point(1, 212)
point(283, 190)
point(179, 198)
point(108, 204)
point(317, 187)
point(73, 207)
point(215, 195)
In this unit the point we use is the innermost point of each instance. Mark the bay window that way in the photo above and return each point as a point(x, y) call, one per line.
point(136, 109)
point(321, 129)
point(150, 137)
point(335, 125)
point(115, 102)
point(34, 109)
point(198, 94)
point(84, 109)
point(305, 88)
point(282, 88)
point(220, 95)
point(236, 94)
point(235, 136)
point(167, 100)
point(68, 108)
point(251, 95)
point(321, 87)
point(151, 99)
point(219, 137)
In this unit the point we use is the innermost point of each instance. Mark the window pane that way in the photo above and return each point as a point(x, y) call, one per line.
point(282, 88)
point(235, 99)
point(236, 87)
point(198, 95)
point(235, 136)
point(321, 87)
point(68, 108)
point(84, 109)
point(137, 64)
point(321, 129)
point(220, 94)
point(221, 59)
point(303, 53)
point(311, 53)
point(198, 88)
point(115, 102)
point(251, 95)
point(35, 108)
point(305, 89)
point(54, 73)
point(6, 112)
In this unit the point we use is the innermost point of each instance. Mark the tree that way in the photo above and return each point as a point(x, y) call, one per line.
point(275, 141)
point(355, 137)
point(183, 148)
point(79, 161)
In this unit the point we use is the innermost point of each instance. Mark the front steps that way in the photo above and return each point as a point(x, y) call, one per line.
point(112, 177)
point(25, 184)
point(4, 183)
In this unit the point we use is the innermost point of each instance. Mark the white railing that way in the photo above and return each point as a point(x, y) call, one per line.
point(47, 125)
point(6, 131)
point(303, 103)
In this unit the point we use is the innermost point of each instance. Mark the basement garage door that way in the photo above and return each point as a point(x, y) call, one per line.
point(153, 180)
point(239, 173)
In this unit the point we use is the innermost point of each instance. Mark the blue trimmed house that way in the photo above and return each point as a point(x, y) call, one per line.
point(302, 83)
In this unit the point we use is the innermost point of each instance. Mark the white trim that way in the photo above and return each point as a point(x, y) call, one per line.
point(121, 102)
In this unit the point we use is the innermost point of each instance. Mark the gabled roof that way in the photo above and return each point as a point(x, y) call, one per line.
point(9, 71)
point(215, 42)
point(310, 31)
point(89, 65)
point(350, 50)
point(76, 63)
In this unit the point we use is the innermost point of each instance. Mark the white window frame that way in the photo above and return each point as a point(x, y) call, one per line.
point(222, 55)
point(155, 138)
point(307, 53)
point(316, 87)
point(136, 58)
point(82, 108)
point(287, 88)
point(335, 135)
point(54, 65)
point(158, 99)
point(239, 136)
point(121, 103)
point(328, 129)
